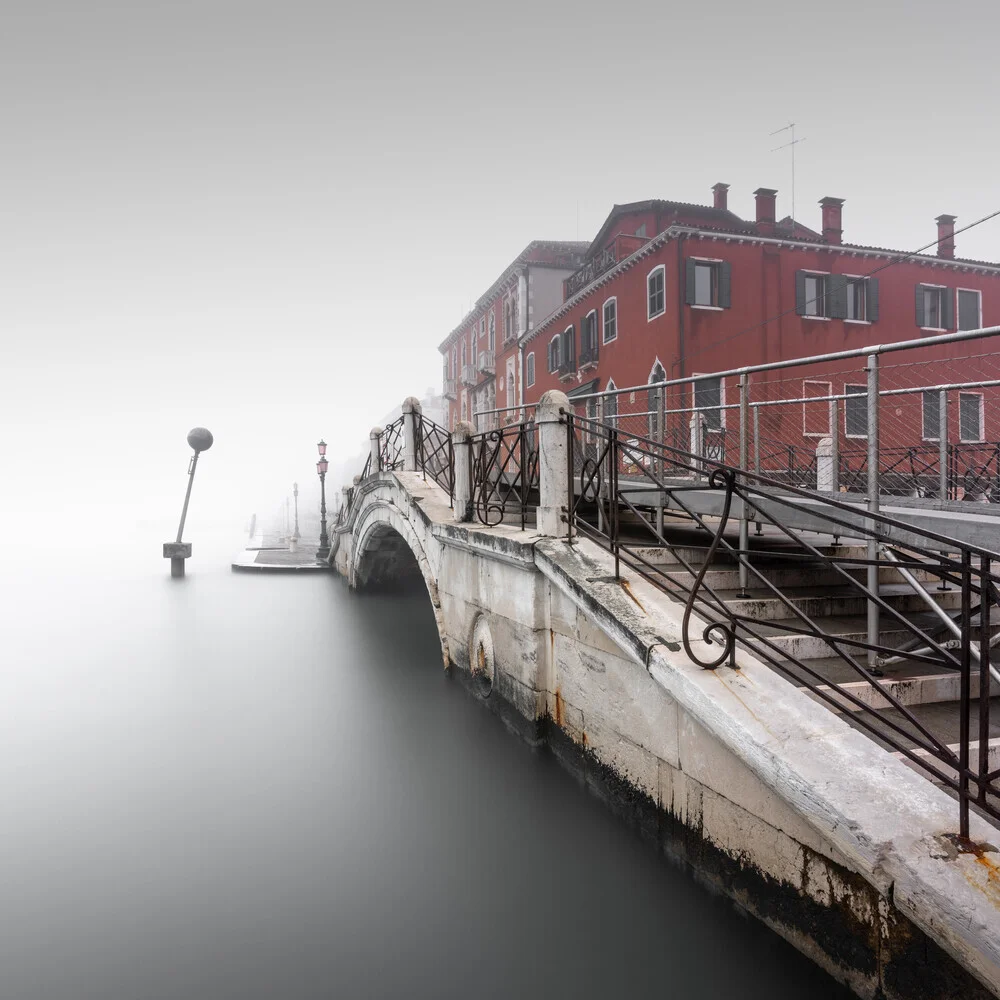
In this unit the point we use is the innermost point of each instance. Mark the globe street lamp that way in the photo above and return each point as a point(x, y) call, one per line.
point(295, 493)
point(323, 552)
point(200, 440)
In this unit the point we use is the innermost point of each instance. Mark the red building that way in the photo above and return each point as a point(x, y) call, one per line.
point(482, 358)
point(668, 290)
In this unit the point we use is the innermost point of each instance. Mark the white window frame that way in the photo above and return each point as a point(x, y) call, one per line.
point(586, 320)
point(493, 329)
point(958, 312)
point(529, 370)
point(651, 316)
point(863, 278)
point(864, 396)
point(556, 355)
point(511, 379)
point(716, 263)
point(610, 389)
point(604, 305)
point(826, 296)
point(937, 430)
point(982, 419)
point(828, 392)
point(722, 403)
point(941, 288)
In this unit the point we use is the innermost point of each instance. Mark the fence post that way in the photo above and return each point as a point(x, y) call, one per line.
point(462, 441)
point(835, 445)
point(744, 462)
point(697, 439)
point(824, 466)
point(375, 440)
point(943, 443)
point(411, 430)
point(553, 463)
point(873, 505)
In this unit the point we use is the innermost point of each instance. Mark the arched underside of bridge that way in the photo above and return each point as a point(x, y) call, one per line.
point(387, 554)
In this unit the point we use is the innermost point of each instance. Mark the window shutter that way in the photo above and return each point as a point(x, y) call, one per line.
point(948, 308)
point(595, 338)
point(569, 348)
point(800, 292)
point(725, 271)
point(871, 300)
point(837, 291)
point(920, 305)
point(689, 282)
point(550, 355)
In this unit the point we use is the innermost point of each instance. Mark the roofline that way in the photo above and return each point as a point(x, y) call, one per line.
point(715, 234)
point(518, 262)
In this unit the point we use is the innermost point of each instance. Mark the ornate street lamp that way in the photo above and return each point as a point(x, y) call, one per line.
point(295, 493)
point(323, 552)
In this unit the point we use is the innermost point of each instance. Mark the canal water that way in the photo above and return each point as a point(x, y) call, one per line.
point(240, 786)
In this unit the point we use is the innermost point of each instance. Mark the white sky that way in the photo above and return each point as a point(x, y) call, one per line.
point(263, 218)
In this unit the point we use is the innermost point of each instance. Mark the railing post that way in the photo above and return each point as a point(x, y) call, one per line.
point(411, 432)
point(375, 441)
point(698, 439)
point(873, 505)
point(835, 445)
point(462, 440)
point(985, 635)
point(965, 694)
point(553, 464)
point(744, 461)
point(943, 443)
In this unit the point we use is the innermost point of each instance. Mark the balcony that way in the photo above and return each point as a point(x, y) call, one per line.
point(469, 376)
point(449, 389)
point(623, 246)
point(486, 362)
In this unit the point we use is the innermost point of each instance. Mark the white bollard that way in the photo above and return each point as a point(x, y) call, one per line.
point(824, 465)
point(411, 428)
point(553, 464)
point(461, 439)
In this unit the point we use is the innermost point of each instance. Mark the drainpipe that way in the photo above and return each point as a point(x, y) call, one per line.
point(522, 304)
point(681, 287)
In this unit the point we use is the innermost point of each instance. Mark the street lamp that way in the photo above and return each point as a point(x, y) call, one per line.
point(177, 551)
point(295, 493)
point(323, 552)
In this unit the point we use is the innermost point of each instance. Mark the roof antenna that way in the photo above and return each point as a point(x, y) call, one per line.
point(792, 144)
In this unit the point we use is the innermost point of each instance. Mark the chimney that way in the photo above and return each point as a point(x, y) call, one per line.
point(946, 236)
point(721, 192)
point(765, 210)
point(833, 209)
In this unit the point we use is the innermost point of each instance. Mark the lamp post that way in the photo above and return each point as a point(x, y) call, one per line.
point(322, 465)
point(295, 493)
point(200, 440)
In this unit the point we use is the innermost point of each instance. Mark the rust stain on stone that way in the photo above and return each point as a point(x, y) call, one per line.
point(559, 707)
point(987, 860)
point(628, 590)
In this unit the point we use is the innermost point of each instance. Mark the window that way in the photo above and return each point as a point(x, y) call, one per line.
point(610, 316)
point(656, 303)
point(567, 354)
point(811, 294)
point(931, 415)
point(708, 401)
point(856, 411)
point(857, 305)
point(970, 416)
point(554, 355)
point(463, 353)
point(482, 326)
point(707, 283)
point(475, 350)
point(588, 338)
point(641, 231)
point(529, 369)
point(493, 331)
point(611, 403)
point(654, 399)
point(934, 308)
point(510, 378)
point(506, 321)
point(816, 416)
point(970, 312)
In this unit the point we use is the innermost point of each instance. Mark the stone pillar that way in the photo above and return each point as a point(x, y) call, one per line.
point(411, 430)
point(461, 439)
point(824, 465)
point(553, 463)
point(374, 436)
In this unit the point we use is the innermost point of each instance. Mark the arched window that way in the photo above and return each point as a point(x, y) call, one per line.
point(611, 403)
point(654, 401)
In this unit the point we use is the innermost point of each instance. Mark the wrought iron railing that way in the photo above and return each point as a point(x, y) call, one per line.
point(435, 455)
point(505, 473)
point(614, 512)
point(390, 446)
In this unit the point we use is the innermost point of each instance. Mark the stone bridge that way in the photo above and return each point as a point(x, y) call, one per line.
point(772, 798)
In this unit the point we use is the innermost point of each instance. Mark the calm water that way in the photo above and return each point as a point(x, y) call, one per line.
point(240, 786)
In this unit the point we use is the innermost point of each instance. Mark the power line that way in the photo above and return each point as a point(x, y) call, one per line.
point(897, 260)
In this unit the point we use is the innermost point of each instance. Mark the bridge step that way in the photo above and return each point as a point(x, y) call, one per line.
point(786, 576)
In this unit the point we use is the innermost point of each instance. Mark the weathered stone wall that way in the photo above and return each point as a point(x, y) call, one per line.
point(769, 797)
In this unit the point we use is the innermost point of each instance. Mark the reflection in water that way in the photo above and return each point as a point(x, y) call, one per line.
point(243, 786)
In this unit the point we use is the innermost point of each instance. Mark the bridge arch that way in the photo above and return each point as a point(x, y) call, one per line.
point(386, 548)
